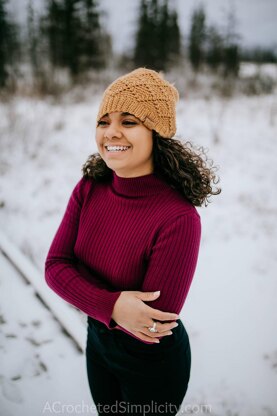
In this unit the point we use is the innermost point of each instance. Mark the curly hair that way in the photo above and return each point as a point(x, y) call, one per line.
point(183, 166)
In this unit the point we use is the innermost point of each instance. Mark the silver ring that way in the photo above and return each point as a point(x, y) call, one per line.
point(153, 328)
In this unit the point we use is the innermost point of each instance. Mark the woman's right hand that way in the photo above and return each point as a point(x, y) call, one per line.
point(131, 313)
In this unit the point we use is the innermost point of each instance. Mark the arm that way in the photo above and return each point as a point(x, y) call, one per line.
point(66, 276)
point(172, 262)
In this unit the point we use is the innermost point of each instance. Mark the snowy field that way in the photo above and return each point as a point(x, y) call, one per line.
point(230, 312)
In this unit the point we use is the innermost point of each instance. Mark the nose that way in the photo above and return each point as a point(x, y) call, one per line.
point(113, 130)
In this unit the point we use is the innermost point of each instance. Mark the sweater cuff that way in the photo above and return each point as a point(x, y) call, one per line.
point(107, 302)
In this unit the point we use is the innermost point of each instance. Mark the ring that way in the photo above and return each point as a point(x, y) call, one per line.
point(153, 328)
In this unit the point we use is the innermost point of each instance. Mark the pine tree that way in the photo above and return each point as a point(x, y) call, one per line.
point(158, 38)
point(9, 45)
point(51, 27)
point(162, 36)
point(231, 55)
point(33, 39)
point(96, 43)
point(3, 43)
point(174, 36)
point(71, 35)
point(143, 51)
point(215, 48)
point(197, 38)
point(75, 37)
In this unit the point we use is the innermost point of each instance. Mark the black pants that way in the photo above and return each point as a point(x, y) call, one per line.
point(129, 377)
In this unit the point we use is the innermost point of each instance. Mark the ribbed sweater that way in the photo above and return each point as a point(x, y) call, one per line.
point(127, 234)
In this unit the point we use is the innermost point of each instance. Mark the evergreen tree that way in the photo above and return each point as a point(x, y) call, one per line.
point(197, 38)
point(3, 43)
point(75, 37)
point(162, 36)
point(33, 39)
point(71, 35)
point(158, 38)
point(9, 45)
point(215, 48)
point(144, 38)
point(174, 36)
point(52, 29)
point(231, 55)
point(231, 59)
point(96, 44)
point(259, 55)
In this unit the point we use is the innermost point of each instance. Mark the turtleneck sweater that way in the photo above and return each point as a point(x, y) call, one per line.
point(127, 234)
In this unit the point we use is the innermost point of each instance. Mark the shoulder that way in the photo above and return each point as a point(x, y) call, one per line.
point(183, 222)
point(82, 189)
point(172, 205)
point(182, 232)
point(178, 221)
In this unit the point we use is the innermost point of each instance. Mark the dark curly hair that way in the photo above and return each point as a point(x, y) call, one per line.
point(183, 166)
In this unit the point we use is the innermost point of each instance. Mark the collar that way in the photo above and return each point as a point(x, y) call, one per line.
point(138, 186)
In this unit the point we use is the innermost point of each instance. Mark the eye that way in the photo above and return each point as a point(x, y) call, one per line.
point(129, 123)
point(102, 123)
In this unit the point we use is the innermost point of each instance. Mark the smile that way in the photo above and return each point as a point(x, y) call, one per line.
point(117, 148)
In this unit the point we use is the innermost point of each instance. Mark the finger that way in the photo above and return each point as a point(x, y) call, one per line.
point(147, 296)
point(156, 334)
point(145, 337)
point(161, 328)
point(162, 316)
point(166, 327)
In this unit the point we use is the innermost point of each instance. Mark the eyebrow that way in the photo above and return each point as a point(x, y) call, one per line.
point(122, 114)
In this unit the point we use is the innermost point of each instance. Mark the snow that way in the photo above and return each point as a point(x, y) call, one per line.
point(37, 359)
point(68, 317)
point(252, 69)
point(229, 313)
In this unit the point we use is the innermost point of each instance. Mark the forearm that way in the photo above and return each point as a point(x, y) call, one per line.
point(67, 276)
point(76, 285)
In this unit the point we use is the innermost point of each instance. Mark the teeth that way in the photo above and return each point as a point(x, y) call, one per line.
point(117, 148)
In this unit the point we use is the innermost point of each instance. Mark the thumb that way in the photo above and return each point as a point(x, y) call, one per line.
point(148, 296)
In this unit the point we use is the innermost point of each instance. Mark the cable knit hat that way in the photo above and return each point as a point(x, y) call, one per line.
point(145, 94)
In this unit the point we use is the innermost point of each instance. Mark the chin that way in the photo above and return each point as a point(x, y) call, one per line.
point(115, 166)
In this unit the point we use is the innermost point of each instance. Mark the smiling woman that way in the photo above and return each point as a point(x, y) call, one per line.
point(125, 144)
point(130, 236)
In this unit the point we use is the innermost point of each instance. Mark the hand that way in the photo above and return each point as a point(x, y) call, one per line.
point(131, 313)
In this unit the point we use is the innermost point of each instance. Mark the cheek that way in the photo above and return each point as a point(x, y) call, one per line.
point(98, 139)
point(144, 144)
point(148, 148)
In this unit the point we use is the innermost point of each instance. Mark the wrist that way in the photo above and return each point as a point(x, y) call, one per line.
point(113, 315)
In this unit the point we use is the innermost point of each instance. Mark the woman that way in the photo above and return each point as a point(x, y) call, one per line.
point(126, 250)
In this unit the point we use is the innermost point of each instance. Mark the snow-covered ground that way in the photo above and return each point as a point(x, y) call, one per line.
point(230, 312)
point(37, 359)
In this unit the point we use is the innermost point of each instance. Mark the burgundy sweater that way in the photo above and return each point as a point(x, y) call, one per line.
point(128, 234)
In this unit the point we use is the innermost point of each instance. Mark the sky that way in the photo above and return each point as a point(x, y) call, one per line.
point(256, 19)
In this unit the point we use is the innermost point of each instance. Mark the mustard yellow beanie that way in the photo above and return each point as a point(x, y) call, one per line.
point(145, 94)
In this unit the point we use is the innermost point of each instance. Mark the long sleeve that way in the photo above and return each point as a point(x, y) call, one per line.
point(70, 279)
point(124, 234)
point(172, 262)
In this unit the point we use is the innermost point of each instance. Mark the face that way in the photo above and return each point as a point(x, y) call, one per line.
point(134, 156)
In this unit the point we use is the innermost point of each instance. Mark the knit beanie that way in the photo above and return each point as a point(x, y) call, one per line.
point(145, 94)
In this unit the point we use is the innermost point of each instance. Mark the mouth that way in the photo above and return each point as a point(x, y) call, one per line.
point(117, 149)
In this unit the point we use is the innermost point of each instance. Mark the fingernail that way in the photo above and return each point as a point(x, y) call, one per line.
point(157, 341)
point(157, 292)
point(170, 332)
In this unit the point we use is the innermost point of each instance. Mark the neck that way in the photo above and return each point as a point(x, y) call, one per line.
point(138, 186)
point(132, 173)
